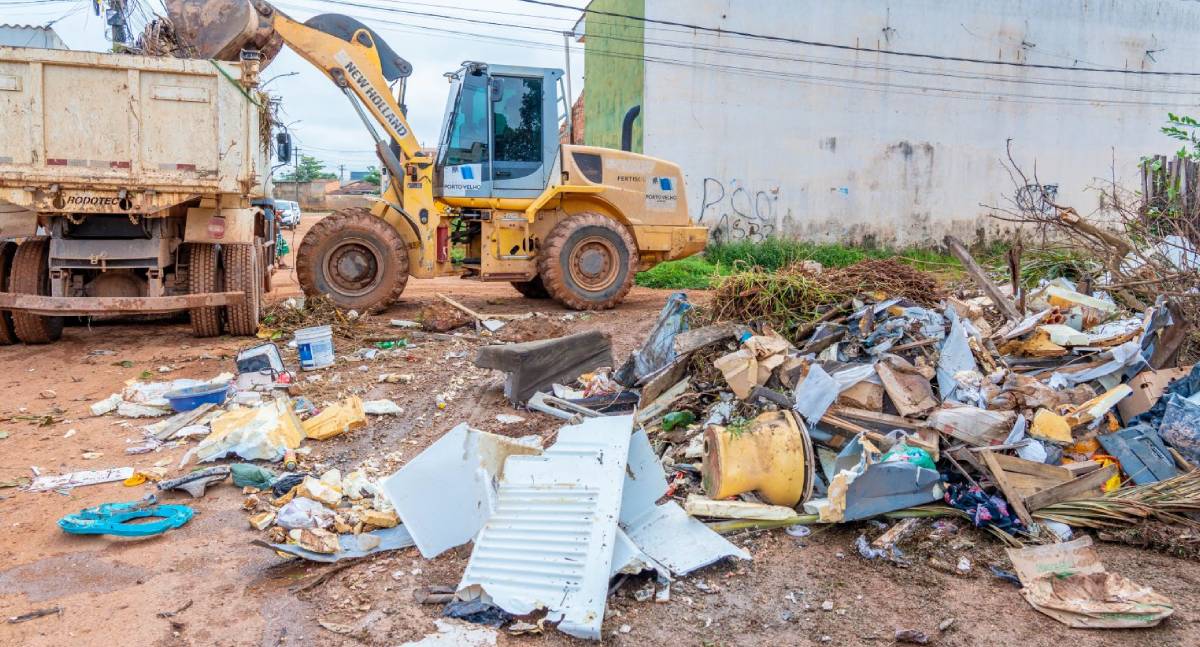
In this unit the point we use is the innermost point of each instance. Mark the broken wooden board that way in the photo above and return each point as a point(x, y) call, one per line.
point(959, 250)
point(896, 533)
point(1087, 486)
point(875, 418)
point(1010, 493)
point(1053, 473)
point(865, 395)
point(910, 391)
point(1082, 467)
point(536, 365)
point(179, 421)
point(699, 506)
point(693, 340)
point(973, 426)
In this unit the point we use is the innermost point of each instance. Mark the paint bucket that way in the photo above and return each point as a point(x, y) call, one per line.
point(315, 346)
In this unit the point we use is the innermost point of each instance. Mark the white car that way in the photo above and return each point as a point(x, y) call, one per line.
point(289, 213)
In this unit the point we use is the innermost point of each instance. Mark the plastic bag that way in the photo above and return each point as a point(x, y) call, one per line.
point(904, 453)
point(659, 349)
point(304, 513)
point(246, 474)
point(1180, 427)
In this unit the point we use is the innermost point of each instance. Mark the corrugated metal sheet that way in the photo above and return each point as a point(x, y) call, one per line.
point(444, 495)
point(665, 533)
point(30, 36)
point(549, 543)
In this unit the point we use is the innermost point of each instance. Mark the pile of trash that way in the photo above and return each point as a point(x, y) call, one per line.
point(895, 403)
point(1035, 423)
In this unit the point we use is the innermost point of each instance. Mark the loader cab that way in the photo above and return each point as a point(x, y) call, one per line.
point(500, 133)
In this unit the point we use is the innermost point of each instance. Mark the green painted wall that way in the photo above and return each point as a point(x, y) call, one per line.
point(614, 72)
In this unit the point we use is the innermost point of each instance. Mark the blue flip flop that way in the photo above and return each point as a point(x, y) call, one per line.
point(114, 518)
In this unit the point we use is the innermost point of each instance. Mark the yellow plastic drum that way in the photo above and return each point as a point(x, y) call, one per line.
point(772, 456)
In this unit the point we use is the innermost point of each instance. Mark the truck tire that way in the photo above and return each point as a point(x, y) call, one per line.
point(204, 276)
point(532, 289)
point(7, 334)
point(356, 259)
point(31, 275)
point(242, 274)
point(588, 262)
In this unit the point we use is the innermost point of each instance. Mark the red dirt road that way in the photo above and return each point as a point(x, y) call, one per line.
point(112, 591)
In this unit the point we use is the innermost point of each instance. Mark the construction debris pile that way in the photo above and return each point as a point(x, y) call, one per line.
point(818, 404)
point(833, 397)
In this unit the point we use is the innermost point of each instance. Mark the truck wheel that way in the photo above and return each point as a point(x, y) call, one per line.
point(31, 275)
point(242, 274)
point(356, 259)
point(533, 289)
point(7, 250)
point(588, 262)
point(204, 276)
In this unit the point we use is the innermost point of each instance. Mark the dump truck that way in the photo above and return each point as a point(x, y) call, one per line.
point(572, 222)
point(127, 187)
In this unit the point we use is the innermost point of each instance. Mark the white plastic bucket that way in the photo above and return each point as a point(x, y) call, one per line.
point(315, 346)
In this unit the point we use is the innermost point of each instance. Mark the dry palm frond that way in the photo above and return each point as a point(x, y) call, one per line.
point(1166, 501)
point(316, 311)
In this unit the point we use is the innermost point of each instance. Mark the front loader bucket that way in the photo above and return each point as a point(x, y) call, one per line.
point(221, 29)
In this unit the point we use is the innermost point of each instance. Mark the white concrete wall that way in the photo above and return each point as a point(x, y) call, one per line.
point(851, 146)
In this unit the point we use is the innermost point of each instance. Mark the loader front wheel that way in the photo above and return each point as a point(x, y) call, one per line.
point(203, 277)
point(356, 259)
point(588, 262)
point(7, 333)
point(242, 274)
point(533, 289)
point(31, 275)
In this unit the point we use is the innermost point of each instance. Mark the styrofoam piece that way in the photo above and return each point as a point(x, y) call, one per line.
point(549, 542)
point(445, 494)
point(665, 533)
point(77, 479)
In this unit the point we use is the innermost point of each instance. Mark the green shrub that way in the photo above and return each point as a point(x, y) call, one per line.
point(691, 273)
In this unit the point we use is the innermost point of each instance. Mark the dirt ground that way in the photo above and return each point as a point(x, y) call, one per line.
point(114, 591)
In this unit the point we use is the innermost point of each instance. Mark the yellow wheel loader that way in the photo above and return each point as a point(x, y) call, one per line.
point(574, 223)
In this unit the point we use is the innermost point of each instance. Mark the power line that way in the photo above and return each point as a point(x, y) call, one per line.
point(855, 48)
point(756, 72)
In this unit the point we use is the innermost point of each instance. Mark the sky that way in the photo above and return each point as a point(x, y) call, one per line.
point(320, 118)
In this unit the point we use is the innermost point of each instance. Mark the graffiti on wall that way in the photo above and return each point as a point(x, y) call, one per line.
point(734, 210)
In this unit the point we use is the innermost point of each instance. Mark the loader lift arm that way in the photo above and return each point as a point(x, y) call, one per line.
point(359, 62)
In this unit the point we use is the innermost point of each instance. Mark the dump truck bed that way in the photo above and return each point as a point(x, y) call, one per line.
point(82, 129)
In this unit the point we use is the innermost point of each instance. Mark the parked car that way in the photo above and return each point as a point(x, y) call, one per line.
point(289, 213)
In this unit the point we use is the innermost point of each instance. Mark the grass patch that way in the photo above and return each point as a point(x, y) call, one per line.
point(777, 253)
point(702, 271)
point(691, 273)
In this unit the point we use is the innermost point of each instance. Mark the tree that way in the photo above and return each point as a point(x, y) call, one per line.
point(309, 169)
point(372, 176)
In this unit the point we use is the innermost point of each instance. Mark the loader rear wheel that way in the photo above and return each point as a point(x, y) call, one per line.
point(533, 289)
point(242, 274)
point(204, 276)
point(31, 275)
point(7, 250)
point(356, 259)
point(588, 262)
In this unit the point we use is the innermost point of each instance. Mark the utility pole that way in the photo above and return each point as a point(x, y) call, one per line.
point(297, 174)
point(570, 99)
point(115, 16)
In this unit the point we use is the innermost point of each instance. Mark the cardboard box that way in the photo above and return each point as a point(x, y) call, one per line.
point(1148, 387)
